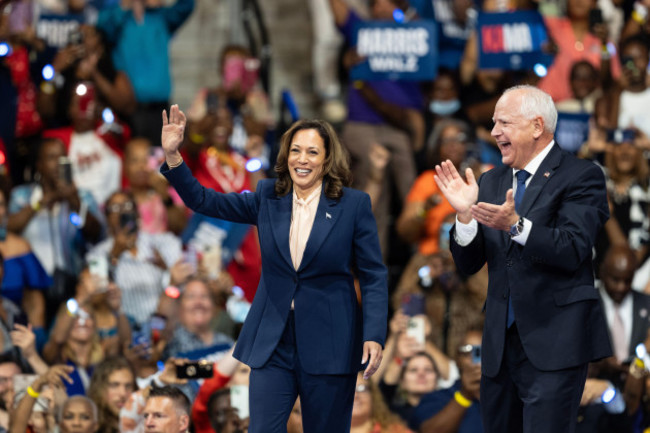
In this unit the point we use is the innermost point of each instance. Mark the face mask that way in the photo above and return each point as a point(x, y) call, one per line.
point(444, 108)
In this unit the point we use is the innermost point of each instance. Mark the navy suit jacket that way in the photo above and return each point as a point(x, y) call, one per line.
point(550, 280)
point(330, 324)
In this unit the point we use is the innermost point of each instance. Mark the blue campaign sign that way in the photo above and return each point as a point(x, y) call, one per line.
point(55, 29)
point(512, 40)
point(395, 51)
point(572, 130)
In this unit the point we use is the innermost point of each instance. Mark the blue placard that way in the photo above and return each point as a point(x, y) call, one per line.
point(395, 51)
point(572, 130)
point(55, 29)
point(512, 40)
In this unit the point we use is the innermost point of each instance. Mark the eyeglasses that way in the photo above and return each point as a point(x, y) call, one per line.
point(466, 349)
point(119, 207)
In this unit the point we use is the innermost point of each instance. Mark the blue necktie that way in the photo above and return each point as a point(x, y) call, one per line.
point(522, 175)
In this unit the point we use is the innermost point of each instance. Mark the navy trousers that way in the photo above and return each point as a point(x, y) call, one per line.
point(326, 400)
point(522, 398)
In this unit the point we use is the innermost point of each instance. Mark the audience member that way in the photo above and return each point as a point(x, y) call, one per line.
point(74, 342)
point(79, 415)
point(628, 187)
point(86, 58)
point(24, 279)
point(370, 414)
point(167, 411)
point(220, 167)
point(57, 219)
point(384, 112)
point(194, 331)
point(577, 39)
point(160, 209)
point(143, 264)
point(585, 89)
point(111, 385)
point(455, 409)
point(425, 208)
point(416, 376)
point(247, 103)
point(94, 153)
point(140, 31)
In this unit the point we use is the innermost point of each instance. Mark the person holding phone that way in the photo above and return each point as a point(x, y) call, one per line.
point(456, 408)
point(142, 264)
point(305, 333)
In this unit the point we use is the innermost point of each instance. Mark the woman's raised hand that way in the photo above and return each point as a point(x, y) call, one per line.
point(172, 134)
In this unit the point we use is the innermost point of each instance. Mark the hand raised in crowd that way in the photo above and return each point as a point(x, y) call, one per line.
point(470, 381)
point(88, 66)
point(379, 157)
point(23, 338)
point(460, 194)
point(67, 56)
point(399, 322)
point(407, 346)
point(54, 377)
point(168, 375)
point(173, 133)
point(181, 271)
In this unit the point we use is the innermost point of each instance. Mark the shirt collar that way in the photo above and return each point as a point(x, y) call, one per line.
point(315, 193)
point(534, 164)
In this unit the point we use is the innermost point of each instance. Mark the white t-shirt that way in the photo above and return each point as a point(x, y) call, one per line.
point(633, 111)
point(95, 166)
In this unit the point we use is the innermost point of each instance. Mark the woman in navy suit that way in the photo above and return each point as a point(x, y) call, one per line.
point(306, 333)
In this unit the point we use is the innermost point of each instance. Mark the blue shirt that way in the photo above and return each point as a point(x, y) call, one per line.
point(142, 49)
point(433, 403)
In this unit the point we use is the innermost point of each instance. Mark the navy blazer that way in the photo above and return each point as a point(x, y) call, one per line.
point(330, 324)
point(550, 280)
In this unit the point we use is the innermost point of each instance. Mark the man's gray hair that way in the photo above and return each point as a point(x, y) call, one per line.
point(536, 102)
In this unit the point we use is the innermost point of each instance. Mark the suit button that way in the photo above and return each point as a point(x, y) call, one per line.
point(505, 295)
point(509, 263)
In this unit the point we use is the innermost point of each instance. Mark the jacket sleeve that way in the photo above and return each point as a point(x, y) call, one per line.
point(582, 212)
point(372, 273)
point(236, 207)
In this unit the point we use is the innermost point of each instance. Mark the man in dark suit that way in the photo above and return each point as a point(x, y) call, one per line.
point(627, 311)
point(534, 221)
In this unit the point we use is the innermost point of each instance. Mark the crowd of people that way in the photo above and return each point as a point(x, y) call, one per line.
point(120, 308)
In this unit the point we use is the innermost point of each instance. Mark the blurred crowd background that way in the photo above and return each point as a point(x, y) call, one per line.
point(105, 271)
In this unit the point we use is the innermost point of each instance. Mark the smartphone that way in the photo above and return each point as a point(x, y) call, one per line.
point(595, 17)
point(251, 74)
point(65, 169)
point(143, 340)
point(21, 319)
point(239, 400)
point(99, 269)
point(415, 328)
point(476, 354)
point(212, 102)
point(233, 71)
point(195, 370)
point(191, 256)
point(413, 304)
point(129, 222)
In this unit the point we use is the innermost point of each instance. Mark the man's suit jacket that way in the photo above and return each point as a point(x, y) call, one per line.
point(550, 279)
point(330, 325)
point(640, 320)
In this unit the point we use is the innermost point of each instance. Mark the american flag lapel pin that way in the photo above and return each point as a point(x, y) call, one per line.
point(328, 216)
point(547, 174)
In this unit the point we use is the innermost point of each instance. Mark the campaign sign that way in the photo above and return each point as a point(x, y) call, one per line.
point(512, 40)
point(572, 130)
point(395, 51)
point(55, 30)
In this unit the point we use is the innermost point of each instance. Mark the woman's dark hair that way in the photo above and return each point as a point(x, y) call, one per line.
point(336, 170)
